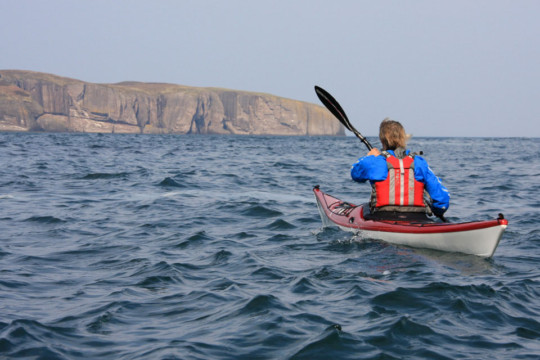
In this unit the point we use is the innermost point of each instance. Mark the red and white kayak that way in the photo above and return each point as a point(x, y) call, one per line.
point(476, 238)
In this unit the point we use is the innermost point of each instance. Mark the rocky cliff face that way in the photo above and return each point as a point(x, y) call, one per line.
point(31, 101)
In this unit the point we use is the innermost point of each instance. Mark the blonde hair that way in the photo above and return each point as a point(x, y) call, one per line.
point(392, 135)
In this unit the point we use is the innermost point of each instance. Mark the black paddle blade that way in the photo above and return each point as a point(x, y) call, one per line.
point(333, 106)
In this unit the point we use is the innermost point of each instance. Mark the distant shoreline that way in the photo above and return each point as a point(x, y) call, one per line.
point(33, 101)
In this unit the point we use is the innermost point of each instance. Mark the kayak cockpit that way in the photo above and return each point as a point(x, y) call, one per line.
point(410, 217)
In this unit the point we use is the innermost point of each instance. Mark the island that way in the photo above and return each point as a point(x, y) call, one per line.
point(34, 101)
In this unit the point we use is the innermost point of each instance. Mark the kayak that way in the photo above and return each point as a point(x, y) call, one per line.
point(479, 238)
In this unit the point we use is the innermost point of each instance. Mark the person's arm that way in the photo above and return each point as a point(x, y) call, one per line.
point(437, 191)
point(370, 167)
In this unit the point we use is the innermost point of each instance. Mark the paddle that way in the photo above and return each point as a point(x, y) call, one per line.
point(334, 107)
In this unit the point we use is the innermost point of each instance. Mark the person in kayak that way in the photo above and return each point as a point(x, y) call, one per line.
point(399, 178)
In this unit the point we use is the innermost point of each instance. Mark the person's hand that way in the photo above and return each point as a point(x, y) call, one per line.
point(374, 151)
point(438, 212)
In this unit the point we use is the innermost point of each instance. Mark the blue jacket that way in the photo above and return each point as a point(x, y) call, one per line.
point(374, 168)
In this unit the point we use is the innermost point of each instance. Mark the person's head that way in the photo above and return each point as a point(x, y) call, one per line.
point(392, 135)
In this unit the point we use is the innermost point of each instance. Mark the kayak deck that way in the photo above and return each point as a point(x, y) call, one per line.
point(479, 238)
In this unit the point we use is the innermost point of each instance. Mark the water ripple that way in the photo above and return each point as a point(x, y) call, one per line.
point(156, 247)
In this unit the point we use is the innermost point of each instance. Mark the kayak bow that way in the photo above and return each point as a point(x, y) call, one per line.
point(476, 238)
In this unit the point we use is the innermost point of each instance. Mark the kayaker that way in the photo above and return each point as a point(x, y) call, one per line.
point(399, 177)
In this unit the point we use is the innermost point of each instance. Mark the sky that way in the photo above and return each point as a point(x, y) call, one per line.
point(441, 68)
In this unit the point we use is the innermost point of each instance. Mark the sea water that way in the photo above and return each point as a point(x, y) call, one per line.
point(211, 247)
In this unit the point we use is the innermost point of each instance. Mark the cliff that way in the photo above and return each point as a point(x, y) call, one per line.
point(31, 101)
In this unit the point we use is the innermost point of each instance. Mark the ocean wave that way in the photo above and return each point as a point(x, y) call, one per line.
point(260, 211)
point(150, 254)
point(280, 224)
point(170, 182)
point(47, 219)
point(100, 175)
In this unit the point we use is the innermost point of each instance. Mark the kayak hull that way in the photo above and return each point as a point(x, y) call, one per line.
point(479, 238)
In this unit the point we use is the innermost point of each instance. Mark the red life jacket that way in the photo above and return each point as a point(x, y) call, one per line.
point(400, 191)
